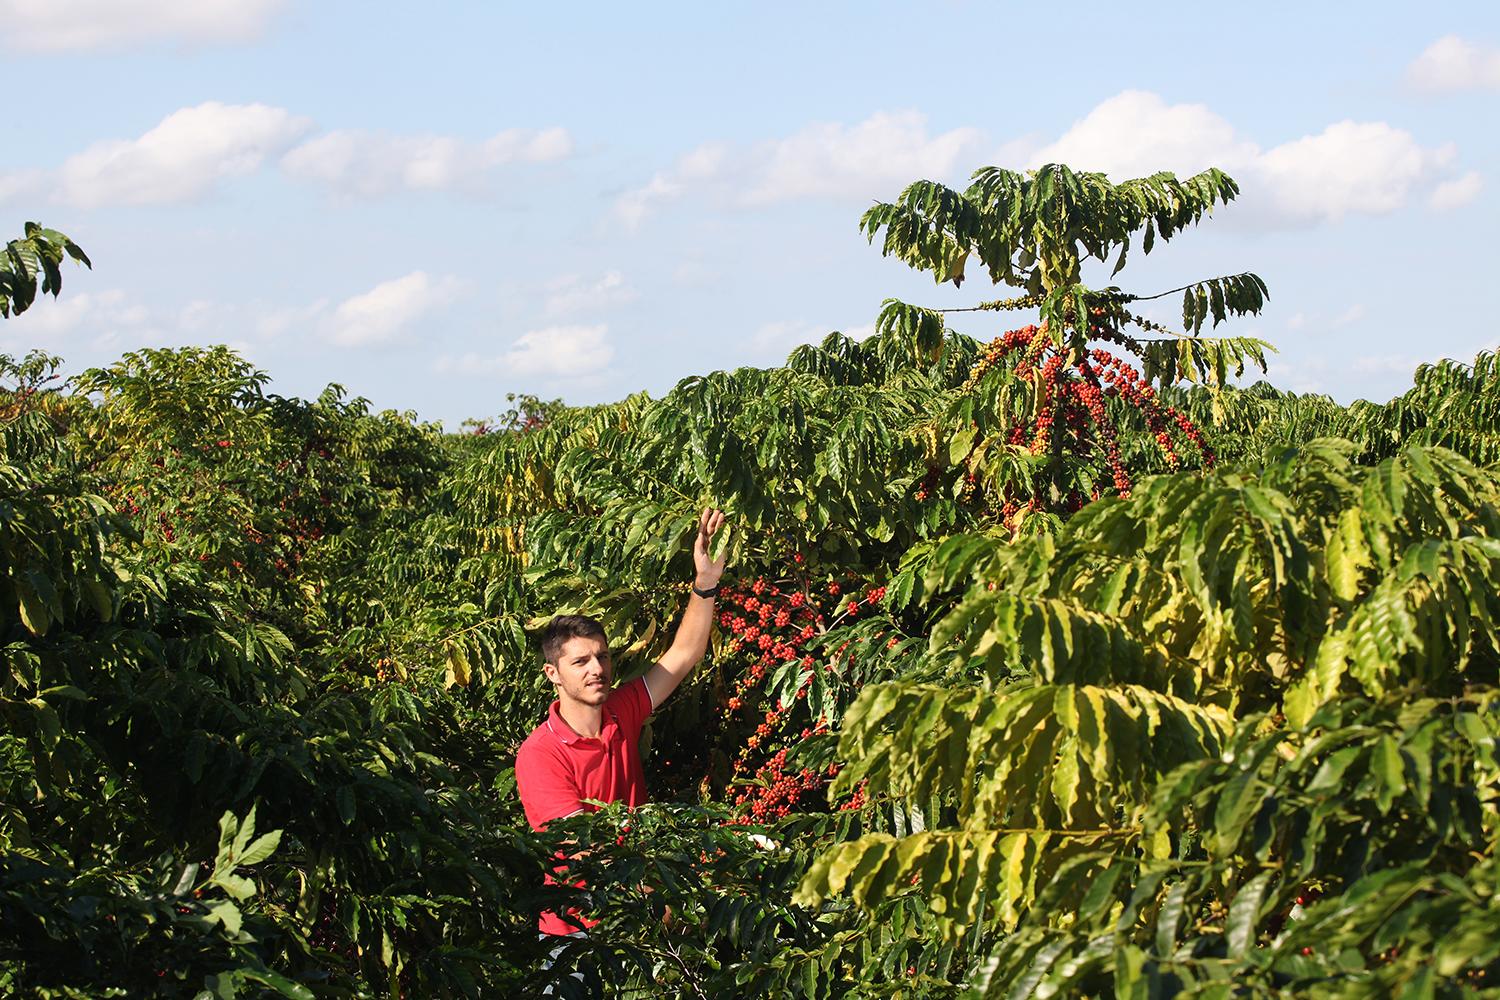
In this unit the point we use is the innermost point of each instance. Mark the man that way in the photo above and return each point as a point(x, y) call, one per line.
point(589, 745)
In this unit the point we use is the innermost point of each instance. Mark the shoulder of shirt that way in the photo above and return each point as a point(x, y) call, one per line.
point(540, 741)
point(620, 692)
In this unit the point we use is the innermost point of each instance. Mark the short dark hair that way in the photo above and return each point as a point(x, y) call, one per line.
point(564, 627)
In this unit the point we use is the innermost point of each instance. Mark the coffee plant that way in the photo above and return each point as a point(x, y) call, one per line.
point(1052, 660)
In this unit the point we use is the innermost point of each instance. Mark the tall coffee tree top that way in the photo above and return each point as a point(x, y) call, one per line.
point(1034, 231)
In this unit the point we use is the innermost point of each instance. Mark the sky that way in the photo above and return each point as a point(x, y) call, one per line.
point(435, 205)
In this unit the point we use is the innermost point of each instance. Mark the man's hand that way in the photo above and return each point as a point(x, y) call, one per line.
point(691, 640)
point(709, 570)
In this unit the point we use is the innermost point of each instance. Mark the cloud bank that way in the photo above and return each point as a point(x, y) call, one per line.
point(822, 160)
point(370, 164)
point(1348, 168)
point(554, 352)
point(83, 25)
point(387, 312)
point(191, 152)
point(181, 159)
point(1453, 65)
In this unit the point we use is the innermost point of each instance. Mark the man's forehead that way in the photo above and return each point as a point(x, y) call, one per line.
point(583, 645)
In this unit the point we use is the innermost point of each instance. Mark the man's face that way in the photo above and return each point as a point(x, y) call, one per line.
point(583, 671)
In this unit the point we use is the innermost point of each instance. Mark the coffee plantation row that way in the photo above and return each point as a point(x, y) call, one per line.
point(1050, 662)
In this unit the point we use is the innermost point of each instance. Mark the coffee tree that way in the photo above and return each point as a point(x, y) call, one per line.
point(1037, 424)
point(1049, 663)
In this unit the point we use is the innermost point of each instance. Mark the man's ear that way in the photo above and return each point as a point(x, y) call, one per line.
point(550, 669)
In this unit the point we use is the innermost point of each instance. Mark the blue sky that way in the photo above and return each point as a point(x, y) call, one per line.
point(438, 204)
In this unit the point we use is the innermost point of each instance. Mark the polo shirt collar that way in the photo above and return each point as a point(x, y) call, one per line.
point(565, 734)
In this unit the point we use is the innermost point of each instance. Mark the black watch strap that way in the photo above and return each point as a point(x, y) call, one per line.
point(710, 592)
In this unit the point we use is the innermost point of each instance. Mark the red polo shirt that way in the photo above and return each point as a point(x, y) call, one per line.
point(556, 769)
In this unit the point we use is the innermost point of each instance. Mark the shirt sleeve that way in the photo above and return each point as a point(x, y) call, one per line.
point(546, 784)
point(632, 704)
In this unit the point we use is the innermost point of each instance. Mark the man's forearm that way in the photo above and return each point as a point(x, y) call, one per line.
point(688, 646)
point(691, 641)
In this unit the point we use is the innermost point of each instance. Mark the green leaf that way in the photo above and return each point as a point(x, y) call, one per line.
point(1244, 915)
point(236, 885)
point(243, 834)
point(228, 828)
point(457, 672)
point(260, 849)
point(1170, 918)
point(48, 726)
point(33, 612)
point(280, 983)
point(226, 913)
point(1387, 766)
point(344, 798)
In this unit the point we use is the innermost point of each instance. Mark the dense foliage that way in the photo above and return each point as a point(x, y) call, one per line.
point(1053, 663)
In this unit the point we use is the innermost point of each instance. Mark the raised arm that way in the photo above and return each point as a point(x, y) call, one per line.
point(691, 640)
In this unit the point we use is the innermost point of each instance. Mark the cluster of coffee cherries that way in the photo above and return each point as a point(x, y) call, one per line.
point(326, 936)
point(784, 623)
point(928, 484)
point(774, 791)
point(1071, 410)
point(774, 622)
point(1127, 383)
point(857, 800)
point(771, 622)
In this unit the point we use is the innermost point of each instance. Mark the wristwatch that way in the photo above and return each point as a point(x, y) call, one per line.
point(710, 592)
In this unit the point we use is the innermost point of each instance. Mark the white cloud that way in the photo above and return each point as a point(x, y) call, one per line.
point(114, 320)
point(1353, 314)
point(101, 316)
point(181, 159)
point(1136, 133)
point(1456, 193)
point(1453, 64)
point(384, 313)
point(1308, 374)
point(63, 25)
point(700, 164)
point(859, 161)
point(694, 272)
point(562, 352)
point(191, 150)
point(823, 160)
point(117, 320)
point(572, 293)
point(1348, 168)
point(1388, 364)
point(369, 164)
point(259, 321)
point(22, 184)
